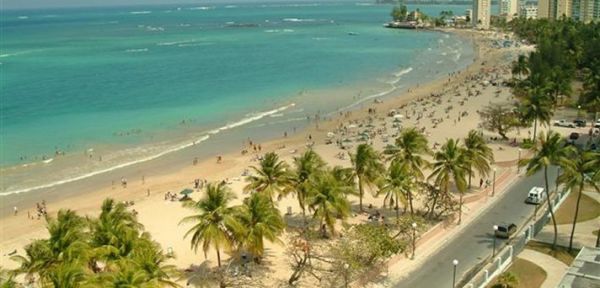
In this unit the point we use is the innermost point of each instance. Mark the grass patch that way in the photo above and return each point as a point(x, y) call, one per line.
point(588, 209)
point(528, 274)
point(561, 253)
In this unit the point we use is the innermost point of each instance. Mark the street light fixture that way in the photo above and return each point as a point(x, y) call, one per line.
point(414, 228)
point(494, 183)
point(578, 110)
point(454, 263)
point(494, 236)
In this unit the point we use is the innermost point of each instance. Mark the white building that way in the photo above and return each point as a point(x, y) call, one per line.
point(469, 14)
point(509, 9)
point(529, 11)
point(481, 13)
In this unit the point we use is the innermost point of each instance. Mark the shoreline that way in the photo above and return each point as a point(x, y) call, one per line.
point(16, 232)
point(60, 190)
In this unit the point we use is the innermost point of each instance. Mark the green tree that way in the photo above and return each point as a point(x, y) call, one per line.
point(328, 199)
point(410, 149)
point(215, 221)
point(260, 220)
point(273, 177)
point(520, 66)
point(397, 185)
point(499, 118)
point(450, 165)
point(550, 150)
point(478, 154)
point(535, 107)
point(577, 172)
point(367, 168)
point(308, 164)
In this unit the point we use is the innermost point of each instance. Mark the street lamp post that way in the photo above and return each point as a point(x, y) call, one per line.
point(346, 267)
point(494, 184)
point(454, 263)
point(414, 239)
point(578, 110)
point(494, 236)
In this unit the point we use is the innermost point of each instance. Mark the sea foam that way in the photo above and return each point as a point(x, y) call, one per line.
point(249, 119)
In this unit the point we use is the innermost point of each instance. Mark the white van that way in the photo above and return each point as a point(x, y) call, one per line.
point(536, 195)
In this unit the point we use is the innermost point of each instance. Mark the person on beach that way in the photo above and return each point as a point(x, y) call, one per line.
point(16, 210)
point(480, 182)
point(124, 182)
point(219, 159)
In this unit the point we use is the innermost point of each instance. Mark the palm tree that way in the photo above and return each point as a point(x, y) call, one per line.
point(450, 164)
point(536, 106)
point(328, 199)
point(559, 84)
point(549, 151)
point(306, 165)
point(507, 280)
point(150, 259)
point(477, 154)
point(66, 245)
point(397, 184)
point(215, 221)
point(273, 177)
point(260, 220)
point(577, 171)
point(367, 168)
point(68, 275)
point(520, 66)
point(115, 231)
point(411, 147)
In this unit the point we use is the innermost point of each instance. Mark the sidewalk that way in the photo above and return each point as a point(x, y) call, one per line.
point(428, 243)
point(554, 268)
point(583, 231)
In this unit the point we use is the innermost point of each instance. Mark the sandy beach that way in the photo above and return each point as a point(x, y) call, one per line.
point(446, 108)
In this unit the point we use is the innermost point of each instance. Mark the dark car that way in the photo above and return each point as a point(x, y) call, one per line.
point(505, 230)
point(580, 122)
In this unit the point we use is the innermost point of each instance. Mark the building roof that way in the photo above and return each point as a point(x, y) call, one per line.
point(584, 271)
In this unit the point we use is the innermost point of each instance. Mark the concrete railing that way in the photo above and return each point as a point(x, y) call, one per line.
point(483, 277)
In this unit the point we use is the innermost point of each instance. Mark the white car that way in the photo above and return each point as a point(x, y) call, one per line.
point(597, 124)
point(564, 123)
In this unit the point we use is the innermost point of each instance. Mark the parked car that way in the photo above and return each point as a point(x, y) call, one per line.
point(535, 196)
point(580, 122)
point(564, 123)
point(505, 230)
point(597, 125)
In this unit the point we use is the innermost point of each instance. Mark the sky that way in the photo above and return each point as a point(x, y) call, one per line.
point(32, 4)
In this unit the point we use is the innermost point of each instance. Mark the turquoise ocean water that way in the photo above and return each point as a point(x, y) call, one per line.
point(109, 87)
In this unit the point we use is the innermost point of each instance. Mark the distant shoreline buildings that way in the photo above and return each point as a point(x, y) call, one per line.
point(579, 10)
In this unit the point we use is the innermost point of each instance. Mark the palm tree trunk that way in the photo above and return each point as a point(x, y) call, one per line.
point(534, 129)
point(410, 203)
point(575, 217)
point(460, 202)
point(431, 211)
point(470, 174)
point(397, 209)
point(360, 194)
point(550, 208)
point(218, 257)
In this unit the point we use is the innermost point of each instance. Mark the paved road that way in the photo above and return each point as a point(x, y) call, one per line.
point(475, 242)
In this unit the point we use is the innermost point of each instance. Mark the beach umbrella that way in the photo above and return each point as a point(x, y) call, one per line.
point(186, 191)
point(398, 116)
